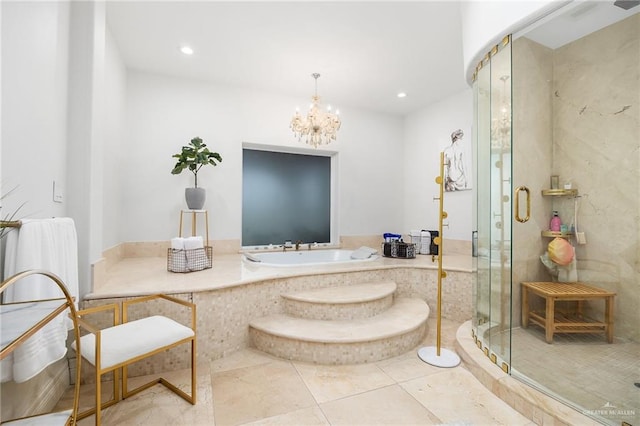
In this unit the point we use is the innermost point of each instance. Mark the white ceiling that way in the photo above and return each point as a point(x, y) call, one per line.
point(575, 21)
point(366, 52)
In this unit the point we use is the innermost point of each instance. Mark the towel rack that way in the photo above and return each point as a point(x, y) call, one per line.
point(10, 223)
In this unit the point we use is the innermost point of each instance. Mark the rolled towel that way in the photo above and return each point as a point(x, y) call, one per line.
point(252, 258)
point(177, 243)
point(363, 253)
point(191, 243)
point(369, 250)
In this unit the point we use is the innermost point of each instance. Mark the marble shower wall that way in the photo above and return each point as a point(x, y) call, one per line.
point(596, 134)
point(576, 111)
point(532, 74)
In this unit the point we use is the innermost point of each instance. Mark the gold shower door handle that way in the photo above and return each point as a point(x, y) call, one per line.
point(517, 201)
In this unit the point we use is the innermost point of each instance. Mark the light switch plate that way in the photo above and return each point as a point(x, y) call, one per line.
point(57, 192)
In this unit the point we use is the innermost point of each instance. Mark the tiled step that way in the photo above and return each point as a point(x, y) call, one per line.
point(341, 303)
point(395, 331)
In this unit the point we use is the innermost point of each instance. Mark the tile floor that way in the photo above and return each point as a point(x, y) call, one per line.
point(601, 375)
point(253, 388)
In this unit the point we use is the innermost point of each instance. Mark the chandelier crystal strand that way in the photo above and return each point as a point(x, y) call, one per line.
point(318, 127)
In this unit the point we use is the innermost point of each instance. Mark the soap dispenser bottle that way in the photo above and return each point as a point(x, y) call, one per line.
point(555, 223)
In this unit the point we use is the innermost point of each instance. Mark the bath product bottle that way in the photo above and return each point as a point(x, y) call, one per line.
point(555, 223)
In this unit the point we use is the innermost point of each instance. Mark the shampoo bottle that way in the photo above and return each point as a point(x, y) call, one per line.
point(555, 223)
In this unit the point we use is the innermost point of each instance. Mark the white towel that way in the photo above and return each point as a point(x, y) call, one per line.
point(196, 255)
point(252, 258)
point(51, 245)
point(363, 253)
point(369, 250)
point(177, 243)
point(191, 243)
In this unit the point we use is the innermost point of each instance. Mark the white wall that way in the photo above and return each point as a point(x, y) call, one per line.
point(86, 131)
point(427, 133)
point(485, 23)
point(114, 142)
point(164, 113)
point(34, 105)
point(52, 116)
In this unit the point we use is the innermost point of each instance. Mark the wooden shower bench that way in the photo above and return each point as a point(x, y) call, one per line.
point(553, 322)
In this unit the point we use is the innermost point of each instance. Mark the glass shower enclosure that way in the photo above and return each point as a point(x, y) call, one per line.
point(548, 115)
point(492, 133)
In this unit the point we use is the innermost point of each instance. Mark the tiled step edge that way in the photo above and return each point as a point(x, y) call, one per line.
point(392, 333)
point(531, 403)
point(341, 303)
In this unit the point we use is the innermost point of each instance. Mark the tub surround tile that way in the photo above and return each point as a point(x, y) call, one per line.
point(99, 272)
point(227, 301)
point(340, 303)
point(352, 242)
point(146, 249)
point(147, 275)
point(337, 353)
point(114, 254)
point(363, 339)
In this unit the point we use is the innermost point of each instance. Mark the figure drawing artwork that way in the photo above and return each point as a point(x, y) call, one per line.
point(456, 171)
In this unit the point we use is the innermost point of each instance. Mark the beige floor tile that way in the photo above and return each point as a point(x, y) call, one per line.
point(306, 417)
point(390, 405)
point(328, 383)
point(455, 396)
point(157, 405)
point(405, 368)
point(408, 366)
point(241, 359)
point(252, 393)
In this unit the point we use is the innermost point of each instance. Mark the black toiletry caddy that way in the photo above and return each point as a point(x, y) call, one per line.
point(399, 249)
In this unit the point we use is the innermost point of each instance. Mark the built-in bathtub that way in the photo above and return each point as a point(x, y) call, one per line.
point(305, 257)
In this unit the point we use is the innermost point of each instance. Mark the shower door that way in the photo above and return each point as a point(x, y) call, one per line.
point(492, 104)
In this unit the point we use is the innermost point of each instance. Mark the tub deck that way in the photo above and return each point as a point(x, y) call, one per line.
point(149, 275)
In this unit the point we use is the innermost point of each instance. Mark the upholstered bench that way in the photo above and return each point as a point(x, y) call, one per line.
point(115, 348)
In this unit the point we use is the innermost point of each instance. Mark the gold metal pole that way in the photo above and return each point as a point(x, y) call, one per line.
point(439, 242)
point(447, 358)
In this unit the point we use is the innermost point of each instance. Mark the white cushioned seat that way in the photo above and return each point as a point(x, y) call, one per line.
point(124, 342)
point(127, 342)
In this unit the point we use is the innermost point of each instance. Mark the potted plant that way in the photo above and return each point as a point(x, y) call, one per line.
point(193, 157)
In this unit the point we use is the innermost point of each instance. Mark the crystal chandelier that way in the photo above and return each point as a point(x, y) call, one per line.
point(318, 127)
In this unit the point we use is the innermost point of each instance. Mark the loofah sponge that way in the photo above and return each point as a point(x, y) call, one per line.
point(560, 251)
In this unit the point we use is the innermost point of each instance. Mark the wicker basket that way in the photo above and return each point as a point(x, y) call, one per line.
point(399, 249)
point(189, 260)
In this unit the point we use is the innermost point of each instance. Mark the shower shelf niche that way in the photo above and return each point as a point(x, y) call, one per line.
point(558, 193)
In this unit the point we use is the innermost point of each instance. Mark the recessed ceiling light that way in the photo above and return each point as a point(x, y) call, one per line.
point(186, 50)
point(402, 95)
